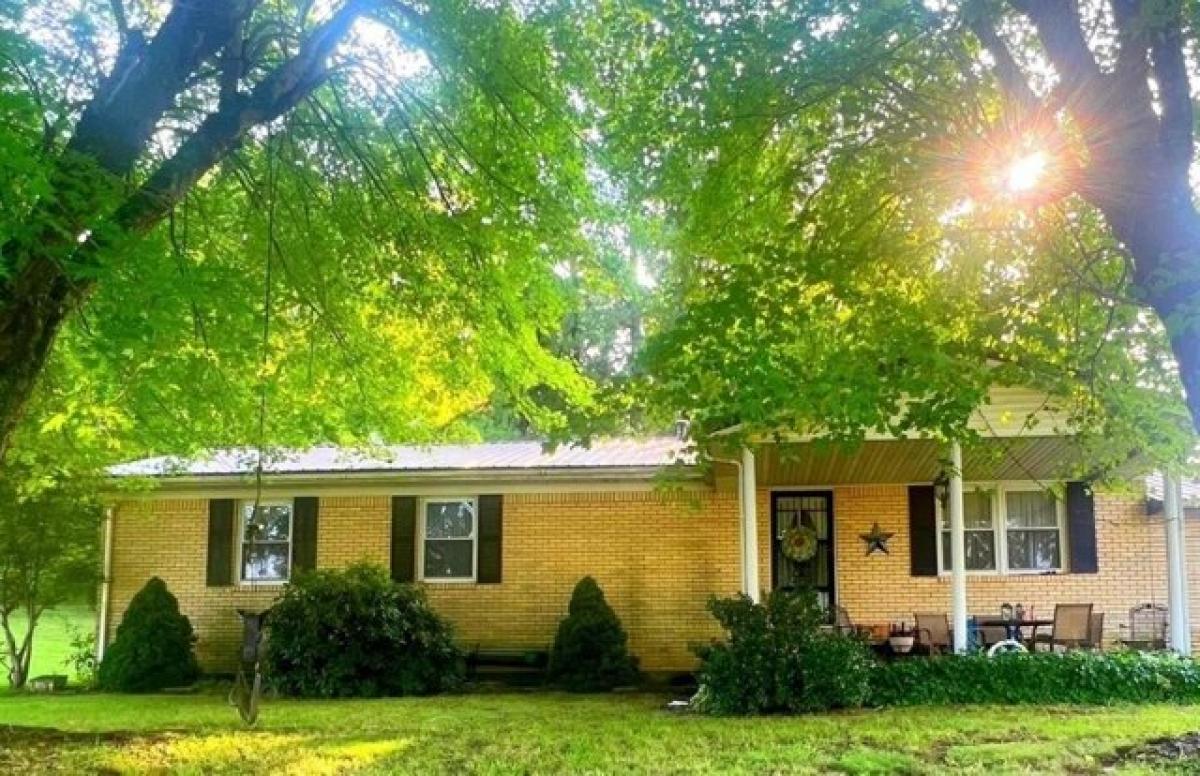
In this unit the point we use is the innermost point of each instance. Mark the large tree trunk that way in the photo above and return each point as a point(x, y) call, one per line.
point(41, 299)
point(1159, 225)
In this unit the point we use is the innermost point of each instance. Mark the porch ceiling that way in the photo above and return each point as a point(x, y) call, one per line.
point(912, 460)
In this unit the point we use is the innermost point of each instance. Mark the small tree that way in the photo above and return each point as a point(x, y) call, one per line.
point(590, 652)
point(153, 647)
point(47, 555)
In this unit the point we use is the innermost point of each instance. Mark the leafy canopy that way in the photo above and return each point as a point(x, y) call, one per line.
point(839, 260)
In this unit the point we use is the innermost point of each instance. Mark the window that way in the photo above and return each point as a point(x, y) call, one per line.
point(1031, 521)
point(448, 544)
point(979, 532)
point(1007, 530)
point(265, 550)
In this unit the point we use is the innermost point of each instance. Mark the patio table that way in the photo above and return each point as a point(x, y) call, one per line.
point(1013, 628)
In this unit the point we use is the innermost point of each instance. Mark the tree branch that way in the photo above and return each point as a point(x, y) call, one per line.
point(221, 131)
point(1061, 33)
point(1008, 72)
point(1170, 71)
point(118, 122)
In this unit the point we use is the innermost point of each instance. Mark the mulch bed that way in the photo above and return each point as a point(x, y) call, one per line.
point(1176, 749)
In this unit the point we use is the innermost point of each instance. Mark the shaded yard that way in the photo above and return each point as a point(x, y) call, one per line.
point(551, 733)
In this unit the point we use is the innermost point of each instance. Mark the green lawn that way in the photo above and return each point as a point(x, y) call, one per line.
point(553, 733)
point(52, 640)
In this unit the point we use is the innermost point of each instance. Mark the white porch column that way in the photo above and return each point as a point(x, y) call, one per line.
point(1178, 636)
point(1185, 592)
point(958, 562)
point(748, 492)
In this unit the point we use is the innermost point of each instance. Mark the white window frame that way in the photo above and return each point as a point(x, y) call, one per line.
point(241, 540)
point(1000, 528)
point(422, 526)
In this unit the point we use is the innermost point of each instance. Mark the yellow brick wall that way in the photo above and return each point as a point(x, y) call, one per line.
point(658, 556)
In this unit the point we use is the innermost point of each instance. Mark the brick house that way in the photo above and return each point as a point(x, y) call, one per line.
point(499, 533)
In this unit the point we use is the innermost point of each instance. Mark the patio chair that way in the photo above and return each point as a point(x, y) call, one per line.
point(991, 634)
point(933, 632)
point(844, 625)
point(1096, 631)
point(1147, 628)
point(1072, 627)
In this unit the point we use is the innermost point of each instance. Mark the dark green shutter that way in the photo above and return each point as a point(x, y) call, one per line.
point(404, 538)
point(220, 542)
point(922, 530)
point(491, 534)
point(304, 533)
point(1081, 529)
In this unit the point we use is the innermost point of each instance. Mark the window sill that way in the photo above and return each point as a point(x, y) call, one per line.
point(448, 581)
point(1009, 573)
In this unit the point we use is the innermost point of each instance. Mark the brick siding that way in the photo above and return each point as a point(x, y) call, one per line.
point(658, 556)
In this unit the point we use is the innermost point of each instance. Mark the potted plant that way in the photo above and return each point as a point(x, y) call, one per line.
point(901, 638)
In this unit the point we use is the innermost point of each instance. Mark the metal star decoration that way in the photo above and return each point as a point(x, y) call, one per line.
point(876, 539)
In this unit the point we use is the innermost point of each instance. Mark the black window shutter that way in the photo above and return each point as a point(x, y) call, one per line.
point(220, 542)
point(404, 538)
point(922, 530)
point(1081, 528)
point(491, 534)
point(305, 510)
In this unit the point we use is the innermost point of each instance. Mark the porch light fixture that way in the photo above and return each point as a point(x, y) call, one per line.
point(941, 488)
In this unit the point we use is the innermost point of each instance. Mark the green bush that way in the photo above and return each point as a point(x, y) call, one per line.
point(356, 633)
point(153, 646)
point(590, 652)
point(1073, 677)
point(777, 658)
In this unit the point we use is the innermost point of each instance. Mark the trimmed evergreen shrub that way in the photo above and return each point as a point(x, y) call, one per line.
point(777, 658)
point(153, 646)
point(1042, 677)
point(356, 633)
point(590, 652)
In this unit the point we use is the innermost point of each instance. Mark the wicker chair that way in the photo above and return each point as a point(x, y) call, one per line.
point(933, 632)
point(1147, 628)
point(1072, 627)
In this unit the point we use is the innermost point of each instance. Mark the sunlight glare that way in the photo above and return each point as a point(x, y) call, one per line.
point(1025, 172)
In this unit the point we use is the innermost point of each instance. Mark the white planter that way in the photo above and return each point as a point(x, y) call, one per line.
point(901, 645)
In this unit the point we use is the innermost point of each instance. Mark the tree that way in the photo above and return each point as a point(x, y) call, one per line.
point(398, 181)
point(843, 260)
point(1127, 101)
point(48, 543)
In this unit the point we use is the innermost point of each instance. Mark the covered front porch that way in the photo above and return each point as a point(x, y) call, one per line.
point(917, 526)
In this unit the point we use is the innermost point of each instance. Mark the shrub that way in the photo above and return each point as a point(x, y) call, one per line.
point(590, 652)
point(1044, 677)
point(356, 633)
point(153, 646)
point(776, 658)
point(81, 659)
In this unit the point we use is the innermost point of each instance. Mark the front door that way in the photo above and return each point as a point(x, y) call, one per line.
point(813, 510)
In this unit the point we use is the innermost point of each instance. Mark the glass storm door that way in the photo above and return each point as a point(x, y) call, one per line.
point(814, 511)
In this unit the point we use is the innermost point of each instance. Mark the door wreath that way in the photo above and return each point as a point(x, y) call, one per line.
point(799, 543)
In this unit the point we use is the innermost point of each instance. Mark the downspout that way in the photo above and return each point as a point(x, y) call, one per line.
point(105, 585)
point(748, 587)
point(742, 521)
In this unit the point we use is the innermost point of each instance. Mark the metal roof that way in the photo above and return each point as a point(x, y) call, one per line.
point(626, 453)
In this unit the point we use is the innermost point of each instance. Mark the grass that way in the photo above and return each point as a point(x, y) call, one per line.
point(52, 639)
point(554, 733)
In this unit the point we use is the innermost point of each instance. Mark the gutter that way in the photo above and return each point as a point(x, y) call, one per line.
point(105, 586)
